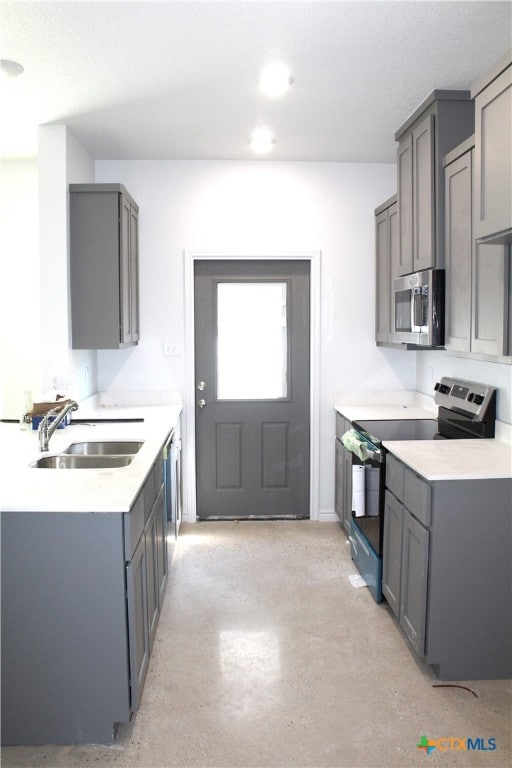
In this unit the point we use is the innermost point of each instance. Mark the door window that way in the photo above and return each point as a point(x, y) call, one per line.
point(252, 341)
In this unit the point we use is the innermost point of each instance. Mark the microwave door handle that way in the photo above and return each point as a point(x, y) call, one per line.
point(415, 291)
point(417, 322)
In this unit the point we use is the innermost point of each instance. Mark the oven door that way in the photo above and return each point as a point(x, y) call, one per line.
point(366, 525)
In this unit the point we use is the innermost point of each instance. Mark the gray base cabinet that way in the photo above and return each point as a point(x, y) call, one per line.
point(478, 279)
point(103, 266)
point(81, 598)
point(446, 571)
point(443, 120)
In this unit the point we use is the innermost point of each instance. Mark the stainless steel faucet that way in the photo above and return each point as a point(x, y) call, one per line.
point(47, 428)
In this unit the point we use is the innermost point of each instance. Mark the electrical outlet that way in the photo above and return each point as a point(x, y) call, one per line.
point(170, 350)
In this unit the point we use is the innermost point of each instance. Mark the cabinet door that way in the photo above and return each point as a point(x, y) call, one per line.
point(490, 299)
point(152, 574)
point(382, 277)
point(392, 552)
point(387, 257)
point(394, 250)
point(347, 489)
point(138, 626)
point(405, 204)
point(493, 158)
point(161, 544)
point(128, 273)
point(413, 581)
point(134, 274)
point(338, 481)
point(124, 271)
point(424, 255)
point(458, 250)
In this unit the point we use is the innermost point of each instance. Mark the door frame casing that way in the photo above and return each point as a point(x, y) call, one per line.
point(189, 479)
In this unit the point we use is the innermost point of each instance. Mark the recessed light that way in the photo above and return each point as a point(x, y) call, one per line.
point(262, 141)
point(10, 68)
point(275, 79)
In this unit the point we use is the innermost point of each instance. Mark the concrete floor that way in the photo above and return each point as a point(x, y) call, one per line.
point(266, 655)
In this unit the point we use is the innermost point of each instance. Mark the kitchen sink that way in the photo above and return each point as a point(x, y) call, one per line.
point(102, 448)
point(68, 461)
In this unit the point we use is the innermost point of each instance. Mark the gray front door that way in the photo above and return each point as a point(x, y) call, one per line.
point(252, 388)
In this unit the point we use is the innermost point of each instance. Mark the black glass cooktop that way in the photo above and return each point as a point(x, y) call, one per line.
point(403, 429)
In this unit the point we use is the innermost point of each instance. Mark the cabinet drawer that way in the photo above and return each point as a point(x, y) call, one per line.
point(133, 526)
point(395, 476)
point(417, 496)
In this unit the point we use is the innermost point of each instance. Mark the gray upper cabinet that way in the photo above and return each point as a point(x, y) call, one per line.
point(103, 266)
point(493, 153)
point(443, 120)
point(386, 265)
point(477, 274)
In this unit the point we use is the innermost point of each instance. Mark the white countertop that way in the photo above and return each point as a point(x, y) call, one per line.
point(24, 488)
point(454, 459)
point(434, 459)
point(388, 405)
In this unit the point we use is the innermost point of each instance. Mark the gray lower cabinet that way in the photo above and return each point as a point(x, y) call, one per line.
point(81, 598)
point(478, 280)
point(386, 267)
point(443, 120)
point(446, 570)
point(103, 266)
point(493, 153)
point(343, 475)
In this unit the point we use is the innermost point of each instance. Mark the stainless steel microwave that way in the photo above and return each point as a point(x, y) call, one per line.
point(418, 308)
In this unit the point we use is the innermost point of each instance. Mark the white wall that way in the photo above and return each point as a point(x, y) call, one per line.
point(83, 362)
point(20, 341)
point(261, 207)
point(62, 160)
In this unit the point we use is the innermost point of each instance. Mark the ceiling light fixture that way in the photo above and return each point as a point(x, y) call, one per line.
point(10, 68)
point(262, 141)
point(275, 79)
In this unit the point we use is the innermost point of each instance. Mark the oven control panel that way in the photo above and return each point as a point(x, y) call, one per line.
point(478, 400)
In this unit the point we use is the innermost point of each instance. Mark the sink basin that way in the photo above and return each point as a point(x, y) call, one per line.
point(102, 448)
point(63, 461)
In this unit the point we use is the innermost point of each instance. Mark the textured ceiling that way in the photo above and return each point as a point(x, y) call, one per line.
point(179, 79)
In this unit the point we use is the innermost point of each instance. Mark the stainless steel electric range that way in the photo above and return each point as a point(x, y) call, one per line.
point(467, 410)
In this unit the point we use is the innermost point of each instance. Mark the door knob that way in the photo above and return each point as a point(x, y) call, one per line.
point(201, 386)
point(201, 403)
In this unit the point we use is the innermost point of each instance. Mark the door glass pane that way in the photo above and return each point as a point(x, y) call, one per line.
point(251, 341)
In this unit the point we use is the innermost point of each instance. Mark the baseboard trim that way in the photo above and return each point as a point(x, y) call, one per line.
point(327, 516)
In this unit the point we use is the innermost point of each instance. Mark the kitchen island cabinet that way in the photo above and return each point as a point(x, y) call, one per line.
point(82, 588)
point(80, 641)
point(447, 571)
